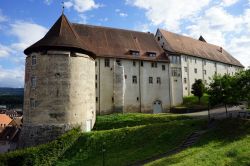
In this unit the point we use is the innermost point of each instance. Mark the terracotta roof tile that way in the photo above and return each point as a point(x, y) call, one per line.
point(185, 45)
point(5, 119)
point(118, 43)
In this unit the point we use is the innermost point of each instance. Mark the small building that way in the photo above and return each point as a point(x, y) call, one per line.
point(9, 138)
point(5, 121)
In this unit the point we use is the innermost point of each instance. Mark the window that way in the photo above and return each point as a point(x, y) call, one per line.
point(96, 85)
point(151, 54)
point(32, 103)
point(95, 63)
point(134, 63)
point(176, 72)
point(186, 69)
point(185, 58)
point(118, 62)
point(33, 81)
point(163, 67)
point(204, 62)
point(134, 79)
point(185, 80)
point(141, 63)
point(195, 61)
point(150, 80)
point(158, 80)
point(154, 64)
point(215, 72)
point(215, 65)
point(96, 99)
point(33, 60)
point(195, 70)
point(125, 76)
point(96, 77)
point(106, 62)
point(158, 38)
point(134, 52)
point(205, 72)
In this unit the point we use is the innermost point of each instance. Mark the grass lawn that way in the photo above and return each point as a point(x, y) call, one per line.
point(147, 135)
point(115, 121)
point(227, 144)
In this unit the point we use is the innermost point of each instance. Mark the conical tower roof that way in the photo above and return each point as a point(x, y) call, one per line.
point(61, 36)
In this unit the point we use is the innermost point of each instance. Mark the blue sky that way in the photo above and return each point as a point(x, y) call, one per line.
point(22, 22)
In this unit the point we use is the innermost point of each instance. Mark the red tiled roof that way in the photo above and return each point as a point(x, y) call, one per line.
point(189, 46)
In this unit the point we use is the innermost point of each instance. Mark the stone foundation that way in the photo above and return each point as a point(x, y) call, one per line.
point(40, 134)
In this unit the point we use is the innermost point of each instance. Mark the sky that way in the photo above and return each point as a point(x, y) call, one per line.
point(225, 23)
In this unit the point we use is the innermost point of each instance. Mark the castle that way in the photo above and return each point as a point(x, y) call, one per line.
point(77, 71)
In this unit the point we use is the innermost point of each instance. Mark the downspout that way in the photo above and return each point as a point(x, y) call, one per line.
point(140, 84)
point(170, 89)
point(99, 87)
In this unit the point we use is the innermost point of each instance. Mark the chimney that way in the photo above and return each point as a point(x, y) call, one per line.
point(221, 49)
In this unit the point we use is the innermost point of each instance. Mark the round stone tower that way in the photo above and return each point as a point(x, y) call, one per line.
point(59, 92)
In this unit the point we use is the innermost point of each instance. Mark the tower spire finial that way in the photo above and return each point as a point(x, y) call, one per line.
point(63, 7)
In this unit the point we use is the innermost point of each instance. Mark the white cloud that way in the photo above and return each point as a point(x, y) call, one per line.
point(5, 51)
point(229, 2)
point(48, 2)
point(123, 14)
point(82, 5)
point(26, 33)
point(11, 77)
point(83, 19)
point(3, 18)
point(142, 27)
point(239, 47)
point(170, 13)
point(215, 25)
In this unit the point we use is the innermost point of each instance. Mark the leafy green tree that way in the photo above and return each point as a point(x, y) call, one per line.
point(198, 89)
point(242, 85)
point(222, 90)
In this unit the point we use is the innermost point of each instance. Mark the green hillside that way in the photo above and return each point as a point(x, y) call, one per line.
point(226, 145)
point(122, 139)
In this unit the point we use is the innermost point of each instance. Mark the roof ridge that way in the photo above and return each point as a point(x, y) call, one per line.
point(98, 26)
point(191, 38)
point(70, 26)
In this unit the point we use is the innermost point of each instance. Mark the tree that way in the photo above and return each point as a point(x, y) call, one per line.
point(223, 90)
point(198, 89)
point(243, 85)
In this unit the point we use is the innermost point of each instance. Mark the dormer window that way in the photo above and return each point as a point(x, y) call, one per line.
point(151, 54)
point(134, 52)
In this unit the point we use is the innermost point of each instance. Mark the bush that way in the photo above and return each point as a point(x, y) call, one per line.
point(45, 154)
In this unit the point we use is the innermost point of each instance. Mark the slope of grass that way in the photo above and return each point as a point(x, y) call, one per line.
point(227, 144)
point(124, 146)
point(115, 121)
point(147, 135)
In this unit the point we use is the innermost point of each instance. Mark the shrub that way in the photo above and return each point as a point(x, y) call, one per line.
point(45, 154)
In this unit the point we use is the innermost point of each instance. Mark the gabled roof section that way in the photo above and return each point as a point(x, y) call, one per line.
point(201, 38)
point(120, 43)
point(60, 36)
point(176, 43)
point(5, 119)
